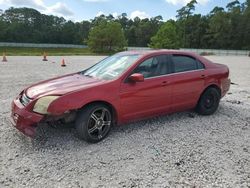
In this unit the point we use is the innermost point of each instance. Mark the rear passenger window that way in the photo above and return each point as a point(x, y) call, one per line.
point(200, 65)
point(185, 63)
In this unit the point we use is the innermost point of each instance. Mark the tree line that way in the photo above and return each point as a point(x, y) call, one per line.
point(222, 28)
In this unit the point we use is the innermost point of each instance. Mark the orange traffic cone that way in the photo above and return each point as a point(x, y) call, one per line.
point(45, 57)
point(63, 64)
point(4, 57)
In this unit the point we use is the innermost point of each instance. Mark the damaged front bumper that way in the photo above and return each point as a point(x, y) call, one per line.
point(24, 120)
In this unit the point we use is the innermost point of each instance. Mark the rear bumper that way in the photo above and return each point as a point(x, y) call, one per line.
point(24, 120)
point(225, 86)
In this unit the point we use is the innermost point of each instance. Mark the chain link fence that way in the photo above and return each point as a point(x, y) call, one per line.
point(198, 51)
point(34, 45)
point(204, 51)
point(219, 52)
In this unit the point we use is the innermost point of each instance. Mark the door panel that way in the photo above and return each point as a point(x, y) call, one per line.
point(151, 97)
point(187, 87)
point(142, 99)
point(189, 75)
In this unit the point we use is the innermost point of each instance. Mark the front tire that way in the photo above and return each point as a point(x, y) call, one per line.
point(93, 123)
point(209, 102)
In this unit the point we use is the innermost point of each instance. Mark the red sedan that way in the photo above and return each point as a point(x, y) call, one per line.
point(124, 87)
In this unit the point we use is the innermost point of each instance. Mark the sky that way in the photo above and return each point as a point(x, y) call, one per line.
point(78, 10)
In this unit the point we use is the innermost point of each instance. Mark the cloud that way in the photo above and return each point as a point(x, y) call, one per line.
point(100, 13)
point(184, 2)
point(173, 18)
point(38, 4)
point(58, 9)
point(139, 14)
point(95, 1)
point(115, 14)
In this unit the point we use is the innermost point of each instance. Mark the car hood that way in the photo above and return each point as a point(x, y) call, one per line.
point(62, 85)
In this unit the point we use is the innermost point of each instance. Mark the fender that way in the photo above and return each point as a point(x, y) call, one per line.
point(76, 100)
point(212, 82)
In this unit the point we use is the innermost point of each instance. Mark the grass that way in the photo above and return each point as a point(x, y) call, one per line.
point(23, 51)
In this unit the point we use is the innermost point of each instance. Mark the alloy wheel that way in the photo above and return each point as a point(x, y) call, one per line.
point(99, 123)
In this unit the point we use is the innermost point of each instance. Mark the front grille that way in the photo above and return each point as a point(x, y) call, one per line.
point(25, 100)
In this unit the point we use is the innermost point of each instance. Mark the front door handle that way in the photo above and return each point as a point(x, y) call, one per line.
point(203, 76)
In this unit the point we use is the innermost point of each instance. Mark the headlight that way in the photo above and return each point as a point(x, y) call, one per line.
point(43, 103)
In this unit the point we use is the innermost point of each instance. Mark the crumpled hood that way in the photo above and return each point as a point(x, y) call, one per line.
point(61, 85)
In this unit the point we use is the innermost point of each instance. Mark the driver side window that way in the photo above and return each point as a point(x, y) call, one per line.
point(152, 67)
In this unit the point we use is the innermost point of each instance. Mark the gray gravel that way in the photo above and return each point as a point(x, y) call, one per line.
point(179, 150)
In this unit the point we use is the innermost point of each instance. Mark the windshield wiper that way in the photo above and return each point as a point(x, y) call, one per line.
point(84, 74)
point(87, 75)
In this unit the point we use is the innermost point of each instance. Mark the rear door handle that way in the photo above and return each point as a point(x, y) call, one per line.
point(164, 83)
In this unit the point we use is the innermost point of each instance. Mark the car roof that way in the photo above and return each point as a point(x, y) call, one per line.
point(156, 52)
point(146, 53)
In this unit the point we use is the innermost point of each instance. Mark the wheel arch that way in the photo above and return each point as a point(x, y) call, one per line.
point(198, 108)
point(206, 88)
point(212, 86)
point(112, 108)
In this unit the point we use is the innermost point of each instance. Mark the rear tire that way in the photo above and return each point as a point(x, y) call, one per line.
point(209, 101)
point(93, 123)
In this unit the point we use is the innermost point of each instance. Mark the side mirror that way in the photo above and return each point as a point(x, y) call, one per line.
point(136, 77)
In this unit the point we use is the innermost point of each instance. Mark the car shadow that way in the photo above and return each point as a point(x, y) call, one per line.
point(65, 138)
point(50, 137)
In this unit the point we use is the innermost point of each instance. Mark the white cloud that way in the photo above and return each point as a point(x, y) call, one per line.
point(30, 3)
point(184, 2)
point(58, 9)
point(95, 1)
point(173, 18)
point(115, 14)
point(139, 14)
point(100, 13)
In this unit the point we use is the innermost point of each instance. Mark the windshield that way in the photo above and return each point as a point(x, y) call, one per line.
point(111, 67)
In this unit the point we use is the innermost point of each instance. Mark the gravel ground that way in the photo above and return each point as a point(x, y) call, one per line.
point(179, 150)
